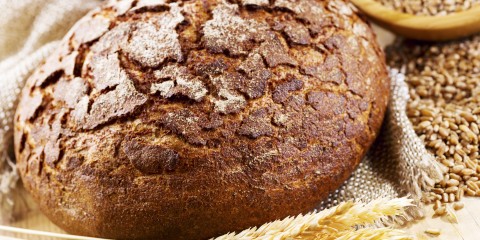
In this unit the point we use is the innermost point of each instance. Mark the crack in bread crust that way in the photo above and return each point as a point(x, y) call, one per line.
point(167, 118)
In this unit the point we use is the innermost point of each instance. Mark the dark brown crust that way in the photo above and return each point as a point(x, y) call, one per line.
point(171, 125)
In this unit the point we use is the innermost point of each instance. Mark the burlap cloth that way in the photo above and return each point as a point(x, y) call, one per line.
point(397, 165)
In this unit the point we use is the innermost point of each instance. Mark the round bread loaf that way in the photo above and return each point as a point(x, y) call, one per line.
point(197, 118)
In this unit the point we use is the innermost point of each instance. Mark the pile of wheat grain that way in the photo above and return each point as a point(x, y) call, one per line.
point(444, 107)
point(429, 7)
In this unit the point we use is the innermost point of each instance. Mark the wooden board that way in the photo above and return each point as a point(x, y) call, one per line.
point(467, 229)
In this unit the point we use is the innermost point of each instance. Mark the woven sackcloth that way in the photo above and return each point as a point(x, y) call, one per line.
point(397, 165)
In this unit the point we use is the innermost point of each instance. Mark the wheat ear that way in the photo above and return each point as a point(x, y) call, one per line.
point(331, 223)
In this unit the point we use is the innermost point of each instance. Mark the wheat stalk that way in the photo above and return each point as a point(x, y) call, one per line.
point(335, 222)
point(361, 234)
point(375, 234)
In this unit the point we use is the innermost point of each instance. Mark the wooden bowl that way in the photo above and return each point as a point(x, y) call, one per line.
point(430, 28)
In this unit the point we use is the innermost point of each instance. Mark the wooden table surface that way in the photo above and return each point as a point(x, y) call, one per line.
point(467, 229)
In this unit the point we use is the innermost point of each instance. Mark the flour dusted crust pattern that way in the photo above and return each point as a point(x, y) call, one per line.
point(190, 119)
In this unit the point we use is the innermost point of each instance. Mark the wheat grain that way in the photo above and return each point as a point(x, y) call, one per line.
point(457, 206)
point(440, 211)
point(433, 231)
point(429, 7)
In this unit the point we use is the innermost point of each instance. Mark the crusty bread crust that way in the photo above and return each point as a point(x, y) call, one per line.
point(192, 119)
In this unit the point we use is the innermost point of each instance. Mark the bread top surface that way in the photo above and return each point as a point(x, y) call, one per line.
point(152, 111)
